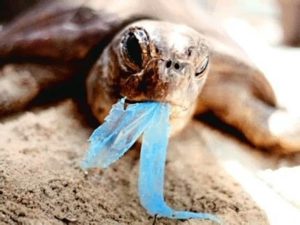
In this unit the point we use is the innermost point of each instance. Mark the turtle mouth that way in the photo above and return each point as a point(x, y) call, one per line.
point(172, 103)
point(128, 101)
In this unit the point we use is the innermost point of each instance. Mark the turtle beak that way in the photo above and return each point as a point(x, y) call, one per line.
point(145, 85)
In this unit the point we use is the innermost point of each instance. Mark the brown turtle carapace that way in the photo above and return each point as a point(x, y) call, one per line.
point(142, 51)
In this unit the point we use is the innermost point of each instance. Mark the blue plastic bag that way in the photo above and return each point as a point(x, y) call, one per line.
point(119, 132)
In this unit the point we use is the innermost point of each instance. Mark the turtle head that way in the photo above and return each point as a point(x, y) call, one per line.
point(157, 61)
point(161, 61)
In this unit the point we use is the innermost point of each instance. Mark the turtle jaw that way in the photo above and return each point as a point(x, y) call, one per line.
point(180, 94)
point(182, 108)
point(179, 116)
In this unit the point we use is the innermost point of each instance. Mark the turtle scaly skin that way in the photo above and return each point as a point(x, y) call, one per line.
point(57, 42)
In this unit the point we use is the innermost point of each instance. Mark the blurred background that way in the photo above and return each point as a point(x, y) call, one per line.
point(269, 31)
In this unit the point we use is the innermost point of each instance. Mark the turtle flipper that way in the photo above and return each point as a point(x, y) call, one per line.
point(264, 125)
point(21, 83)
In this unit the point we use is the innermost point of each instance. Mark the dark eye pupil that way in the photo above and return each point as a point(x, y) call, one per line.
point(134, 50)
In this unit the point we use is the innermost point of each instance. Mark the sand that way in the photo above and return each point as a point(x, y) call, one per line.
point(41, 181)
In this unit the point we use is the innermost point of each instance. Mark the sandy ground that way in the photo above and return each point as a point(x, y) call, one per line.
point(41, 181)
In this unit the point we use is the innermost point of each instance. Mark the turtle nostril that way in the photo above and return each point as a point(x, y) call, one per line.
point(168, 63)
point(177, 66)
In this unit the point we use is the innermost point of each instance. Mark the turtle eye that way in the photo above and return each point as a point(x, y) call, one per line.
point(133, 49)
point(202, 68)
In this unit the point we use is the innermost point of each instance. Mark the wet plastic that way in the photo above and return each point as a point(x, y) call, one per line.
point(152, 167)
point(119, 132)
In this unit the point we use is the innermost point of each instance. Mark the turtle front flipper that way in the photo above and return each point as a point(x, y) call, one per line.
point(23, 82)
point(264, 125)
point(50, 44)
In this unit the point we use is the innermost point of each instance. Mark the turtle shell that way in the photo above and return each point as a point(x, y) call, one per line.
point(61, 40)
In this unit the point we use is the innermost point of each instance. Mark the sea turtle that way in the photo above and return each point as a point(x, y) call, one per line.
point(141, 50)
